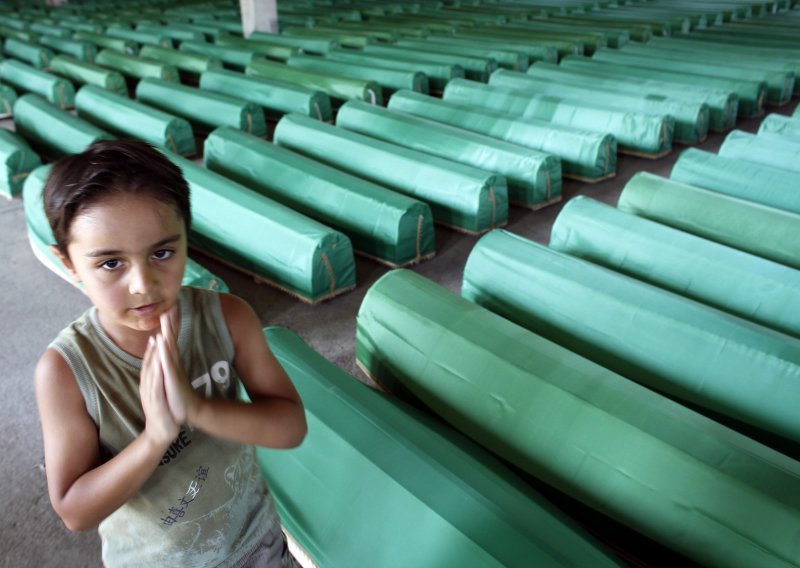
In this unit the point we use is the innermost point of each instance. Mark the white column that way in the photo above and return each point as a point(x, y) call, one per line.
point(259, 16)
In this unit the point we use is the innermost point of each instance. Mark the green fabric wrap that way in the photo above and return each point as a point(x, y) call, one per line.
point(704, 490)
point(138, 36)
point(751, 227)
point(173, 33)
point(585, 155)
point(722, 105)
point(636, 132)
point(80, 50)
point(767, 185)
point(132, 66)
point(8, 97)
point(725, 278)
point(26, 78)
point(533, 178)
point(275, 97)
point(47, 30)
point(752, 93)
point(89, 74)
point(456, 502)
point(41, 237)
point(460, 196)
point(8, 32)
point(691, 119)
point(206, 110)
point(350, 40)
point(336, 87)
point(17, 160)
point(274, 243)
point(27, 52)
point(390, 80)
point(438, 73)
point(304, 44)
point(796, 113)
point(271, 50)
point(55, 131)
point(563, 47)
point(120, 115)
point(117, 44)
point(477, 68)
point(230, 56)
point(779, 125)
point(533, 52)
point(677, 346)
point(508, 59)
point(766, 149)
point(381, 224)
point(190, 63)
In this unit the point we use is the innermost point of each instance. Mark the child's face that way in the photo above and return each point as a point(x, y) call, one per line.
point(129, 252)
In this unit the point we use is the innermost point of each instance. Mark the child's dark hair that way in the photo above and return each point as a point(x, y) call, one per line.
point(109, 167)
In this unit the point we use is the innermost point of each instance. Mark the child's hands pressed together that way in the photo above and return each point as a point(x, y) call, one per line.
point(160, 425)
point(181, 397)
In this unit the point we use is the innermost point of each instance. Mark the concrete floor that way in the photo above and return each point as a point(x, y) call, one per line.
point(38, 304)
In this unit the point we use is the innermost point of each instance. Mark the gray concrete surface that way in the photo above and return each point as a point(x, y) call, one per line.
point(36, 304)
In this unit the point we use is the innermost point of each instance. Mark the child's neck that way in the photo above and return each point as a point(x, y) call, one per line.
point(131, 341)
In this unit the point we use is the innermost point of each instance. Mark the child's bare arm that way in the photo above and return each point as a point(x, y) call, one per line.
point(275, 417)
point(82, 489)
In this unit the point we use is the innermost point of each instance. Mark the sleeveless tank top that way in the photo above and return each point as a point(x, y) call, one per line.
point(206, 504)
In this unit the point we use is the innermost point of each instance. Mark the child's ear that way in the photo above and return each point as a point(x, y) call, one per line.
point(66, 262)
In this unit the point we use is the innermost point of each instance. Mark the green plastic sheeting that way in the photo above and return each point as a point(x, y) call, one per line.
point(739, 178)
point(26, 78)
point(766, 149)
point(276, 98)
point(796, 113)
point(88, 74)
point(17, 160)
point(138, 36)
point(41, 237)
point(8, 97)
point(457, 503)
point(460, 196)
point(533, 178)
point(779, 125)
point(136, 68)
point(751, 227)
point(476, 68)
point(175, 34)
point(271, 50)
point(585, 155)
point(438, 73)
point(683, 480)
point(384, 225)
point(190, 64)
point(47, 30)
point(664, 341)
point(691, 120)
point(53, 130)
point(349, 40)
point(390, 80)
point(637, 133)
point(118, 44)
point(304, 44)
point(563, 47)
point(206, 110)
point(120, 115)
point(728, 279)
point(533, 52)
point(509, 59)
point(27, 52)
point(231, 56)
point(336, 87)
point(752, 93)
point(77, 49)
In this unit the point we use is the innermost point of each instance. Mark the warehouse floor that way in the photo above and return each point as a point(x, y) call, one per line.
point(37, 304)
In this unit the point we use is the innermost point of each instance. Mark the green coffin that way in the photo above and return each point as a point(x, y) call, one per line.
point(115, 43)
point(8, 97)
point(509, 59)
point(679, 478)
point(175, 34)
point(27, 52)
point(664, 341)
point(745, 285)
point(460, 196)
point(384, 225)
point(533, 52)
point(47, 30)
point(206, 110)
point(52, 130)
point(585, 155)
point(456, 503)
point(266, 49)
point(190, 64)
point(691, 120)
point(779, 125)
point(78, 49)
point(336, 87)
point(82, 73)
point(767, 185)
point(136, 68)
point(128, 118)
point(476, 68)
point(41, 237)
point(304, 44)
point(138, 36)
point(28, 79)
point(639, 133)
point(265, 239)
point(17, 160)
point(533, 178)
point(390, 80)
point(230, 56)
point(751, 227)
point(767, 149)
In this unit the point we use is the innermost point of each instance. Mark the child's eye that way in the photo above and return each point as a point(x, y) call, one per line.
point(111, 264)
point(163, 254)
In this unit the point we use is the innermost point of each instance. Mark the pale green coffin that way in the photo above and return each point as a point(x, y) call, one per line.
point(25, 78)
point(17, 160)
point(767, 149)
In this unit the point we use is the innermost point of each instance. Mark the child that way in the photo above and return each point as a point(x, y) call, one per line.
point(143, 432)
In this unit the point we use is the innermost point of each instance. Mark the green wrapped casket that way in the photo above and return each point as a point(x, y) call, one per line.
point(8, 97)
point(27, 52)
point(671, 474)
point(89, 74)
point(117, 44)
point(460, 196)
point(751, 227)
point(135, 68)
point(190, 65)
point(80, 50)
point(17, 160)
point(766, 149)
point(456, 503)
point(231, 56)
point(28, 79)
point(779, 125)
point(382, 224)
